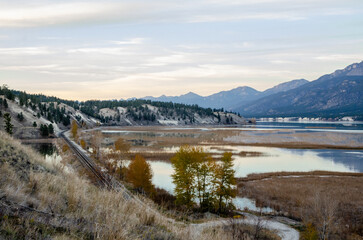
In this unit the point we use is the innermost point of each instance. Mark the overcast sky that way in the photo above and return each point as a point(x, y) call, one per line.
point(121, 49)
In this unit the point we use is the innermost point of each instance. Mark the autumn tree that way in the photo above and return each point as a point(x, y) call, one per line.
point(96, 141)
point(117, 157)
point(140, 174)
point(83, 143)
point(184, 174)
point(204, 167)
point(122, 146)
point(8, 125)
point(198, 177)
point(225, 183)
point(74, 129)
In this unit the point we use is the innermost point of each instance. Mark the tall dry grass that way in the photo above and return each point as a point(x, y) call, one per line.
point(42, 199)
point(333, 203)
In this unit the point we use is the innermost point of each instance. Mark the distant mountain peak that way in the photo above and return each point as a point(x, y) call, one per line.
point(286, 86)
point(355, 69)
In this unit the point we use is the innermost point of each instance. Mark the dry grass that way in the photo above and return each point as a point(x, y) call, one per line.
point(44, 200)
point(312, 198)
point(260, 176)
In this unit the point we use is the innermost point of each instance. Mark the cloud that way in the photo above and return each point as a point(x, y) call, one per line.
point(131, 41)
point(26, 51)
point(339, 57)
point(54, 13)
point(45, 13)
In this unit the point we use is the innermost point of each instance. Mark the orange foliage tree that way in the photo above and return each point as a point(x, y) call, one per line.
point(122, 146)
point(140, 174)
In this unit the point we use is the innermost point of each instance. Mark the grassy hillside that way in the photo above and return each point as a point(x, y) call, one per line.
point(42, 199)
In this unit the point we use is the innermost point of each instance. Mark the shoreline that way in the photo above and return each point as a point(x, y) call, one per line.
point(296, 145)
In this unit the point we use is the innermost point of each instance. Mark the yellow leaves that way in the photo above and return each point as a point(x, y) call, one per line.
point(83, 143)
point(198, 176)
point(65, 148)
point(74, 129)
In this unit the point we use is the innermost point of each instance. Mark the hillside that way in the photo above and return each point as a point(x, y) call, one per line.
point(45, 200)
point(230, 99)
point(29, 111)
point(335, 94)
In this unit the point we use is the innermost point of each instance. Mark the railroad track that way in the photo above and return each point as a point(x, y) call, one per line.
point(104, 179)
point(88, 163)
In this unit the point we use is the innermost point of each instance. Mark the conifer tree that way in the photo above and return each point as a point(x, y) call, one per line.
point(8, 125)
point(50, 129)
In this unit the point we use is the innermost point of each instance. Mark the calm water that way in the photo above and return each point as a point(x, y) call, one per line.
point(271, 160)
point(49, 152)
point(352, 127)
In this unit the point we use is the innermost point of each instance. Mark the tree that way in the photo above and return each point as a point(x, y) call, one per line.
point(225, 182)
point(50, 129)
point(20, 116)
point(198, 177)
point(96, 141)
point(140, 174)
point(184, 174)
point(83, 143)
point(122, 146)
point(203, 170)
point(44, 131)
point(5, 103)
point(34, 124)
point(8, 125)
point(74, 129)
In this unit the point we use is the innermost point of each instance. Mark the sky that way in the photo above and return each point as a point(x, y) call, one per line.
point(121, 49)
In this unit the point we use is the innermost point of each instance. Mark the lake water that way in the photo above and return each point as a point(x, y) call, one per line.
point(271, 160)
point(341, 126)
point(266, 159)
point(49, 152)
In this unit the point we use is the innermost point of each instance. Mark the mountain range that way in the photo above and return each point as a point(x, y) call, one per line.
point(331, 95)
point(229, 100)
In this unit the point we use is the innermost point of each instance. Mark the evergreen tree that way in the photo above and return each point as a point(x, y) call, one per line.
point(20, 116)
point(50, 129)
point(8, 125)
point(5, 103)
point(35, 124)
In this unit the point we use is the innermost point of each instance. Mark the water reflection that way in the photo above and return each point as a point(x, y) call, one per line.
point(49, 151)
point(272, 160)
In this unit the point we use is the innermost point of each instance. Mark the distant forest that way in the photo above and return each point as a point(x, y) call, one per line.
point(136, 109)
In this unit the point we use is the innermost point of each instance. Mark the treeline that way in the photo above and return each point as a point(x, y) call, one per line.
point(137, 110)
point(50, 108)
point(45, 106)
